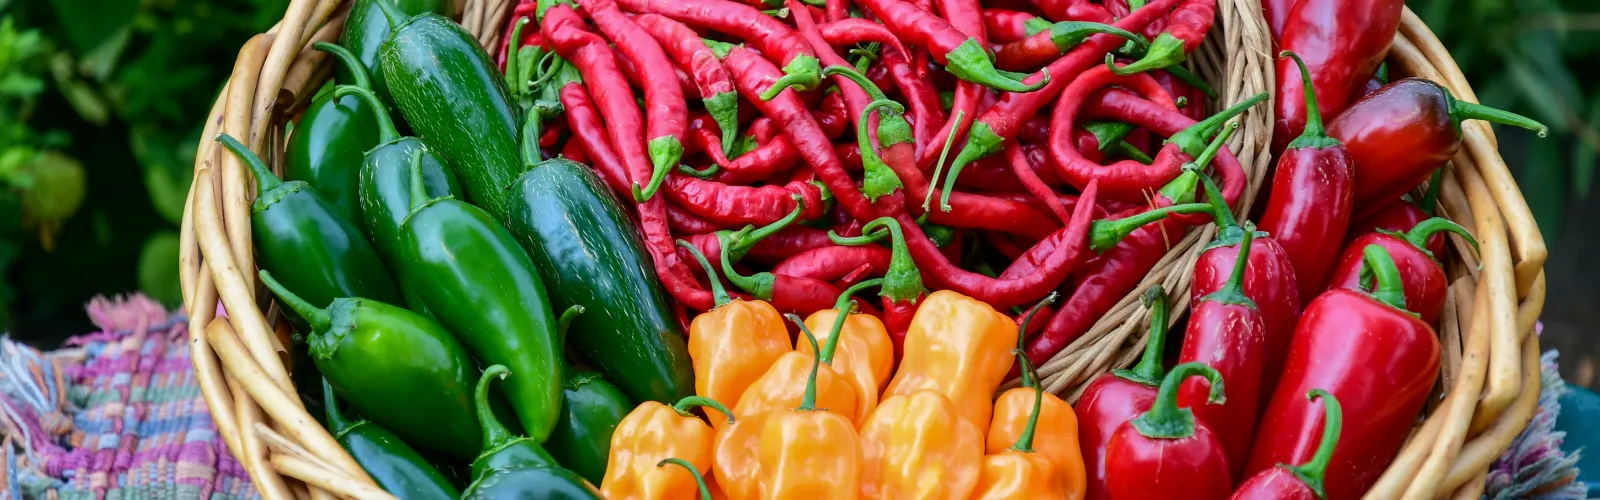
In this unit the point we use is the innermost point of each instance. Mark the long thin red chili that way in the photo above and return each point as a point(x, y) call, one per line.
point(1006, 26)
point(1073, 10)
point(728, 205)
point(834, 263)
point(693, 56)
point(1031, 181)
point(1041, 47)
point(962, 55)
point(667, 113)
point(855, 30)
point(1114, 103)
point(588, 130)
point(770, 36)
point(563, 29)
point(927, 111)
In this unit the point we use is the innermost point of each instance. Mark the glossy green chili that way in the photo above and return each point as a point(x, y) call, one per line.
point(396, 467)
point(369, 25)
point(501, 448)
point(326, 146)
point(528, 482)
point(591, 409)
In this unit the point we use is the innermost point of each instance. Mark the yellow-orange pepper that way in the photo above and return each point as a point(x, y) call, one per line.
point(733, 344)
point(808, 453)
point(863, 353)
point(651, 434)
point(959, 347)
point(735, 466)
point(1054, 435)
point(919, 446)
point(783, 386)
point(700, 479)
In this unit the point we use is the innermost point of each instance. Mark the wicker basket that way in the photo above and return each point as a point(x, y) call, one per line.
point(1487, 392)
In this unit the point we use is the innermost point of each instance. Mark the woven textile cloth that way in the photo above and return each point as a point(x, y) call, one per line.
point(114, 414)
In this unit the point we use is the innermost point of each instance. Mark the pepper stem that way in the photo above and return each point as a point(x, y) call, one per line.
point(803, 73)
point(531, 155)
point(1232, 292)
point(494, 433)
point(1193, 140)
point(1313, 472)
point(845, 306)
point(265, 179)
point(724, 110)
point(1227, 226)
point(665, 151)
point(1314, 136)
point(872, 90)
point(955, 168)
point(1036, 24)
point(902, 282)
point(690, 402)
point(1166, 50)
point(1104, 234)
point(748, 237)
point(1419, 234)
point(337, 424)
point(319, 318)
point(1024, 442)
point(1149, 370)
point(386, 131)
point(358, 71)
point(1431, 198)
point(759, 285)
point(1030, 378)
point(878, 179)
point(419, 191)
point(1463, 110)
point(699, 480)
point(809, 402)
point(1166, 420)
point(565, 322)
point(719, 293)
point(514, 80)
point(1067, 35)
point(970, 62)
point(1387, 287)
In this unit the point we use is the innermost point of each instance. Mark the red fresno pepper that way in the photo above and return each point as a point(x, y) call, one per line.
point(1312, 192)
point(1398, 216)
point(1342, 41)
point(1115, 397)
point(770, 36)
point(1304, 481)
point(1379, 359)
point(592, 55)
point(1226, 332)
point(693, 56)
point(1166, 453)
point(1398, 135)
point(1420, 270)
point(668, 114)
point(1006, 26)
point(962, 55)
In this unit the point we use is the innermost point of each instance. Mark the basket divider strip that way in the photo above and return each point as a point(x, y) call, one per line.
point(237, 188)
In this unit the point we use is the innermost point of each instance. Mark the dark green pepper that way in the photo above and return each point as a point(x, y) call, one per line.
point(483, 288)
point(590, 254)
point(532, 483)
point(369, 25)
point(396, 467)
point(397, 367)
point(456, 100)
point(306, 244)
point(590, 411)
point(326, 146)
point(501, 448)
point(385, 188)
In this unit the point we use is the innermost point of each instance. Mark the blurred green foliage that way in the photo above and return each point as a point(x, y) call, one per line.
point(1534, 57)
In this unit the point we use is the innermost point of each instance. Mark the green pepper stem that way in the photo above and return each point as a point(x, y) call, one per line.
point(495, 434)
point(759, 285)
point(1030, 378)
point(690, 402)
point(902, 282)
point(1463, 110)
point(1387, 287)
point(1104, 234)
point(872, 90)
point(665, 151)
point(386, 131)
point(719, 293)
point(1232, 292)
point(1165, 51)
point(1194, 140)
point(1067, 35)
point(709, 171)
point(337, 424)
point(809, 402)
point(1431, 198)
point(565, 322)
point(318, 317)
point(1419, 234)
point(1024, 442)
point(1314, 472)
point(699, 480)
point(1183, 74)
point(955, 168)
point(802, 72)
point(1149, 371)
point(749, 237)
point(1227, 226)
point(878, 179)
point(349, 62)
point(724, 110)
point(970, 62)
point(1035, 25)
point(718, 48)
point(265, 179)
point(531, 155)
point(1166, 420)
point(844, 306)
point(1314, 136)
point(514, 81)
point(1132, 153)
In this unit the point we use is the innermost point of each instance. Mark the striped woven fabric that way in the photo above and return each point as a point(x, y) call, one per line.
point(115, 414)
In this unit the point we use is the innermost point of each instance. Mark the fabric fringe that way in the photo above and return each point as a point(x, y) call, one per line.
point(1534, 467)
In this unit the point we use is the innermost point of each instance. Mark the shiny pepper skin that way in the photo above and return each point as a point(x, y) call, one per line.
point(651, 433)
point(732, 346)
point(808, 455)
point(784, 385)
point(919, 446)
point(865, 356)
point(1055, 438)
point(959, 347)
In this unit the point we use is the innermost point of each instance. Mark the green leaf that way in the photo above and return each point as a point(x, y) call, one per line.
point(165, 159)
point(158, 268)
point(91, 23)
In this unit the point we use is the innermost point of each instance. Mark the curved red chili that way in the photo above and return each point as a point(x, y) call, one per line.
point(962, 55)
point(563, 29)
point(1006, 26)
point(927, 111)
point(835, 262)
point(902, 287)
point(1115, 103)
point(716, 89)
point(854, 30)
point(770, 36)
point(588, 131)
point(786, 293)
point(1421, 274)
point(1039, 48)
point(667, 113)
point(735, 206)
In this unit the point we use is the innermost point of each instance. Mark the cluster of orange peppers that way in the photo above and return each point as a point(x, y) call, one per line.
point(840, 421)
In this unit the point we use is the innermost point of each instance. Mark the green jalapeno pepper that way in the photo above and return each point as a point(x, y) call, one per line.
point(590, 254)
point(500, 447)
point(543, 483)
point(326, 146)
point(483, 288)
point(591, 409)
point(306, 244)
point(396, 467)
point(397, 367)
point(369, 25)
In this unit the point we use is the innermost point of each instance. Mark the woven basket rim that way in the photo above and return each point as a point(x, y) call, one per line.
point(1488, 388)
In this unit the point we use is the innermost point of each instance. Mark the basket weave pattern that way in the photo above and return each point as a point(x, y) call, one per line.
point(1489, 379)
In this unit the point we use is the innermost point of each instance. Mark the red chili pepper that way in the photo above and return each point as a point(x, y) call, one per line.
point(771, 158)
point(975, 211)
point(854, 30)
point(902, 288)
point(1126, 180)
point(1041, 47)
point(1379, 359)
point(786, 293)
point(1113, 103)
point(1398, 216)
point(1342, 42)
point(1006, 26)
point(1166, 453)
point(685, 84)
point(1226, 332)
point(961, 54)
point(1073, 10)
point(693, 56)
point(681, 221)
point(768, 35)
point(1115, 397)
point(1189, 22)
point(1299, 482)
point(927, 111)
point(833, 263)
point(837, 9)
point(1398, 135)
point(728, 205)
point(1194, 96)
point(667, 112)
point(1312, 192)
point(750, 72)
point(1421, 273)
point(593, 57)
point(591, 133)
point(1035, 185)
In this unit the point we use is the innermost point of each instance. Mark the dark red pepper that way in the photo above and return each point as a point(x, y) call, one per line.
point(1398, 135)
point(693, 56)
point(1379, 359)
point(788, 294)
point(1342, 41)
point(1113, 398)
point(1420, 270)
point(1166, 453)
point(770, 36)
point(1398, 216)
point(1312, 192)
point(1226, 332)
point(902, 281)
point(1304, 481)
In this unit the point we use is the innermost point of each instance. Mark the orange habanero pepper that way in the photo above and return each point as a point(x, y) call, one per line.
point(863, 353)
point(733, 344)
point(1015, 413)
point(654, 432)
point(700, 480)
point(786, 383)
point(919, 446)
point(959, 347)
point(808, 453)
point(1019, 471)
